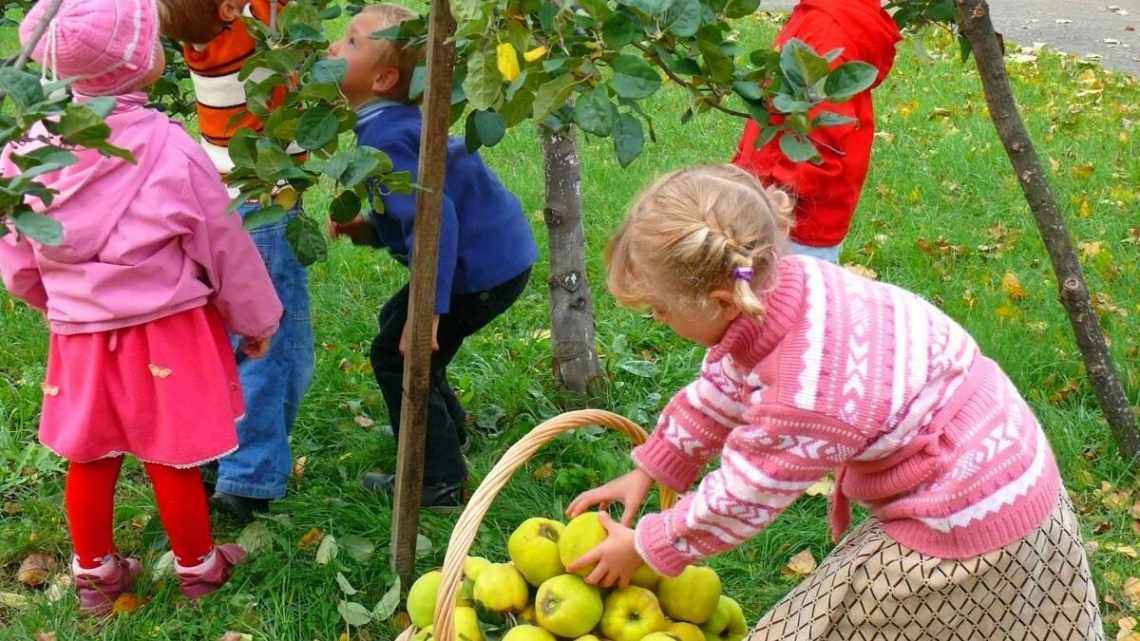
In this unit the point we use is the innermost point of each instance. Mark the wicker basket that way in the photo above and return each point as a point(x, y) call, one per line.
point(465, 529)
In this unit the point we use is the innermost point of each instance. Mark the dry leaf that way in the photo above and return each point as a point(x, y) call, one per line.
point(823, 487)
point(400, 620)
point(1082, 171)
point(49, 390)
point(545, 471)
point(1136, 527)
point(1088, 250)
point(59, 588)
point(1056, 165)
point(1012, 286)
point(1116, 500)
point(160, 372)
point(364, 421)
point(12, 507)
point(13, 600)
point(1132, 592)
point(1091, 547)
point(45, 636)
point(1085, 209)
point(1126, 550)
point(230, 635)
point(1132, 636)
point(299, 467)
point(36, 569)
point(127, 603)
point(800, 564)
point(344, 637)
point(865, 272)
point(312, 537)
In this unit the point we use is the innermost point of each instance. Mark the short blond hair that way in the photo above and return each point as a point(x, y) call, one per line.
point(691, 232)
point(403, 56)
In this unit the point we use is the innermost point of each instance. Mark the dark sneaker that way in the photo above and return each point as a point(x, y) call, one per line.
point(436, 497)
point(240, 509)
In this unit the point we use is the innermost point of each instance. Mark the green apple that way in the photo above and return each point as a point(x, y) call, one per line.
point(421, 598)
point(631, 614)
point(588, 637)
point(693, 596)
point(528, 633)
point(568, 606)
point(686, 632)
point(645, 577)
point(660, 636)
point(534, 549)
point(501, 588)
point(424, 634)
point(727, 623)
point(581, 535)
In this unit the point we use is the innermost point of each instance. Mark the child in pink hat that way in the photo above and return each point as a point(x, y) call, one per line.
point(151, 274)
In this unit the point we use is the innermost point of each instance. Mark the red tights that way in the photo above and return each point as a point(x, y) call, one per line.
point(90, 496)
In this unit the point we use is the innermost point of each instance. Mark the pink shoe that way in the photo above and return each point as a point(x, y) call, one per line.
point(99, 587)
point(212, 573)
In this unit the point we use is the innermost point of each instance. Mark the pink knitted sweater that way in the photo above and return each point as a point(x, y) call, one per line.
point(849, 375)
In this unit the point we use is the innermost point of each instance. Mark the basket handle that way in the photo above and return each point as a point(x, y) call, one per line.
point(468, 525)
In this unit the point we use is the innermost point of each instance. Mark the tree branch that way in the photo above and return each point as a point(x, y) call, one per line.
point(688, 85)
point(37, 35)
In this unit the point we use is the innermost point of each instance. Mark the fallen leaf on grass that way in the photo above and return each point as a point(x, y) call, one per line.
point(545, 471)
point(255, 537)
point(312, 537)
point(865, 272)
point(1132, 592)
point(1088, 250)
point(327, 551)
point(388, 603)
point(127, 603)
point(800, 564)
point(1126, 550)
point(36, 569)
point(357, 547)
point(299, 467)
point(1012, 286)
point(230, 635)
point(823, 487)
point(364, 421)
point(423, 545)
point(45, 636)
point(59, 588)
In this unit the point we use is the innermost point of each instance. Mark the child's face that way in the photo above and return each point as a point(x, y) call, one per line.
point(703, 324)
point(368, 75)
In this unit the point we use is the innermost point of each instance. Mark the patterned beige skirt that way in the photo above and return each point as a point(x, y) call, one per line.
point(871, 587)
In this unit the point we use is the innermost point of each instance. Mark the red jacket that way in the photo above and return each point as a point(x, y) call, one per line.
point(827, 193)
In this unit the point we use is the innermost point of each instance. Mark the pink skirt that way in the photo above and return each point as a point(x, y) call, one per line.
point(166, 392)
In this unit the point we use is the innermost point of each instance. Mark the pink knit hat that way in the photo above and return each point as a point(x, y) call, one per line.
point(106, 46)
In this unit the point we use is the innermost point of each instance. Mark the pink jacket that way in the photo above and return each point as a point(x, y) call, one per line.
point(849, 375)
point(140, 241)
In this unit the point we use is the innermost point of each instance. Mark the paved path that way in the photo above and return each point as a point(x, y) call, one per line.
point(1106, 28)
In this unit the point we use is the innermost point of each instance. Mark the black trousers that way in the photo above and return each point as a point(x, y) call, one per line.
point(443, 462)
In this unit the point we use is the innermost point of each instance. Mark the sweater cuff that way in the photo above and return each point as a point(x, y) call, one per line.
point(656, 547)
point(658, 458)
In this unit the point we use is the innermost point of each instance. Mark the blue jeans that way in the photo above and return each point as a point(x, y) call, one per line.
point(830, 254)
point(274, 385)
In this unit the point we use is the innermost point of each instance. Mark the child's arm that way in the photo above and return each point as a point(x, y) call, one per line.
point(20, 272)
point(243, 292)
point(765, 466)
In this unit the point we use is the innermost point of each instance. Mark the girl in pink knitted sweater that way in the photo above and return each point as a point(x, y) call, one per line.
point(812, 369)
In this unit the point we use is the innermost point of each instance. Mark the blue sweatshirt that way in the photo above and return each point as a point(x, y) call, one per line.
point(484, 240)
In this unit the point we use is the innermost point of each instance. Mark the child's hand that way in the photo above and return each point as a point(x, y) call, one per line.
point(616, 557)
point(630, 490)
point(359, 232)
point(407, 334)
point(255, 347)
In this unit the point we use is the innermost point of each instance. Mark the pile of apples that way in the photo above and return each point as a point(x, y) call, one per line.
point(533, 598)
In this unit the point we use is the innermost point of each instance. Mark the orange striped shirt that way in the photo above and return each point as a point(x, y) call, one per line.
point(214, 69)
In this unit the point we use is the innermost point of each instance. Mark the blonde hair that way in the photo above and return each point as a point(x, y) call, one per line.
point(403, 56)
point(693, 232)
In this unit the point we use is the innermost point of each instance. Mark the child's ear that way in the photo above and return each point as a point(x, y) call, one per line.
point(230, 10)
point(386, 81)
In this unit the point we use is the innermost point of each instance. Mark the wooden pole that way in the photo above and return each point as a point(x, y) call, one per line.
point(975, 25)
point(421, 307)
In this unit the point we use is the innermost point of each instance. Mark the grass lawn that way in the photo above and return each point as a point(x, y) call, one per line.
point(942, 215)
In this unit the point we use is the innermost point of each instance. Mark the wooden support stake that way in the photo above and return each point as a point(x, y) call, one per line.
point(421, 307)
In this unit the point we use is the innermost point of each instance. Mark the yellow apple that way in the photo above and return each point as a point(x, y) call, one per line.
point(580, 536)
point(645, 577)
point(727, 623)
point(528, 615)
point(467, 625)
point(588, 637)
point(568, 606)
point(660, 636)
point(686, 632)
point(421, 598)
point(631, 614)
point(501, 588)
point(693, 596)
point(528, 633)
point(534, 549)
point(473, 565)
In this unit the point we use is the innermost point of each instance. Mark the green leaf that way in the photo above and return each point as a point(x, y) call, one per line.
point(40, 228)
point(263, 217)
point(358, 547)
point(43, 160)
point(272, 161)
point(419, 82)
point(243, 148)
point(741, 8)
point(634, 78)
point(486, 127)
point(552, 95)
point(801, 65)
point(964, 48)
point(748, 89)
point(299, 33)
point(22, 87)
point(330, 12)
point(423, 545)
point(767, 134)
point(307, 241)
point(345, 207)
point(642, 368)
point(483, 84)
point(629, 139)
point(388, 603)
point(255, 537)
point(362, 165)
point(684, 17)
point(353, 613)
point(620, 30)
point(797, 148)
point(849, 80)
point(787, 104)
point(594, 112)
point(831, 119)
point(102, 106)
point(720, 67)
point(345, 586)
point(82, 126)
point(317, 127)
point(655, 8)
point(329, 71)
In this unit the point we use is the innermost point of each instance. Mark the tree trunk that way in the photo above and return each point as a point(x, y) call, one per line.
point(571, 306)
point(975, 25)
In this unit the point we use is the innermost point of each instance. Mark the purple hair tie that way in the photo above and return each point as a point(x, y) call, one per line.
point(743, 273)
